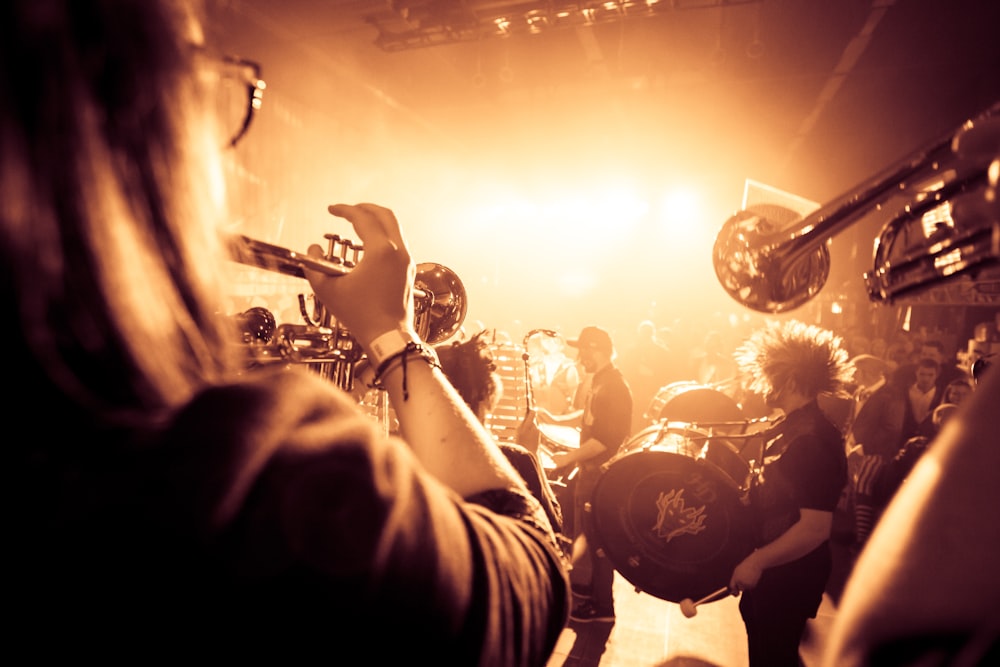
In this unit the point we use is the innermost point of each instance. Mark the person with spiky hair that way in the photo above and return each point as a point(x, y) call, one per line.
point(798, 482)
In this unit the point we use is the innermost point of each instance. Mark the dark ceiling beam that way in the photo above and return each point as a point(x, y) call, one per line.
point(413, 24)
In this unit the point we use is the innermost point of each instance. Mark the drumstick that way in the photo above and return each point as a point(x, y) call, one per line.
point(689, 609)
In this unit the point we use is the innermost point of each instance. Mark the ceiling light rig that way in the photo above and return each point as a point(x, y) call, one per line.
point(413, 24)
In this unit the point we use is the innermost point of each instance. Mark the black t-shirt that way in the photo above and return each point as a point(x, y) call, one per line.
point(607, 416)
point(271, 515)
point(805, 466)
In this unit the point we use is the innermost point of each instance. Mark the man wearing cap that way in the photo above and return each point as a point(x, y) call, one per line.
point(605, 425)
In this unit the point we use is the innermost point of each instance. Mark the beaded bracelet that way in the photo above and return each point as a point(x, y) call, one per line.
point(388, 344)
point(422, 351)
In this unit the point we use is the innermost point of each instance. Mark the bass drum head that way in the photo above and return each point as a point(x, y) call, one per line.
point(674, 526)
point(691, 402)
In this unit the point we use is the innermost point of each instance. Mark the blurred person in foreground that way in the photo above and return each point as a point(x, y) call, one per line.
point(924, 592)
point(795, 491)
point(174, 501)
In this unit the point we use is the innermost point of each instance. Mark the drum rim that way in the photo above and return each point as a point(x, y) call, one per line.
point(683, 387)
point(628, 548)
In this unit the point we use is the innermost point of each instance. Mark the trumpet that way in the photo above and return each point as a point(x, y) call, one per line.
point(440, 305)
point(772, 260)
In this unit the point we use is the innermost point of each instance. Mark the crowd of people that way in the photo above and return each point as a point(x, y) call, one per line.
point(203, 506)
point(840, 461)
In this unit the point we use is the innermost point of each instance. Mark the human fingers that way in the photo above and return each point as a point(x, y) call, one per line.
point(374, 224)
point(737, 582)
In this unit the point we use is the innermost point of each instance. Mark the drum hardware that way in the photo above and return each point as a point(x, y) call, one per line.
point(690, 401)
point(552, 437)
point(440, 306)
point(744, 424)
point(692, 432)
point(711, 435)
point(722, 436)
point(572, 474)
point(661, 428)
point(529, 396)
point(772, 260)
point(689, 608)
point(548, 464)
point(703, 432)
point(530, 411)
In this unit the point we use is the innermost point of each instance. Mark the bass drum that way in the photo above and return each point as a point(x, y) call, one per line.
point(691, 402)
point(669, 512)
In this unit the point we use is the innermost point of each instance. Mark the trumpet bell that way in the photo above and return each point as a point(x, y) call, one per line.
point(750, 270)
point(447, 301)
point(256, 324)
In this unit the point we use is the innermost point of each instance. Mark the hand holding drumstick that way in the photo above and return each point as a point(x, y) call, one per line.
point(689, 608)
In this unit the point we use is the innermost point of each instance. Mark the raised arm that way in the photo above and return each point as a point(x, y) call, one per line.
point(375, 302)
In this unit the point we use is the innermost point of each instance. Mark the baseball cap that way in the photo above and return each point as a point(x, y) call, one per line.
point(593, 338)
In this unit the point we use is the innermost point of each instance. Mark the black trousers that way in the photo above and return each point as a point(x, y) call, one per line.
point(598, 572)
point(776, 611)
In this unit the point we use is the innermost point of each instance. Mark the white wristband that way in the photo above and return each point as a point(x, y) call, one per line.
point(388, 344)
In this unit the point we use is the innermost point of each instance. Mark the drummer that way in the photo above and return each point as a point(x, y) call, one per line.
point(792, 499)
point(606, 423)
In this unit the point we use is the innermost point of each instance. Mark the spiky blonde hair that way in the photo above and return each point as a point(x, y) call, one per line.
point(793, 354)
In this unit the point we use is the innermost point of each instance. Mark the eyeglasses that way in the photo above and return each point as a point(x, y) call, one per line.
point(235, 87)
point(245, 75)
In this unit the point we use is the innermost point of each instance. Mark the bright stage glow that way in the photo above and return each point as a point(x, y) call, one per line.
point(680, 213)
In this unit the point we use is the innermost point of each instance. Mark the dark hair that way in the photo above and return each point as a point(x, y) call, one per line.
point(471, 369)
point(111, 259)
point(936, 344)
point(929, 363)
point(960, 382)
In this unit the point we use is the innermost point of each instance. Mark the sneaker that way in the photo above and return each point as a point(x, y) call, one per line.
point(586, 612)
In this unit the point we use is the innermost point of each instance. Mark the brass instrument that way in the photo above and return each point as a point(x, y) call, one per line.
point(772, 260)
point(529, 394)
point(440, 305)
